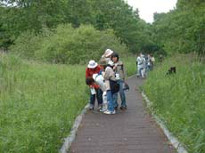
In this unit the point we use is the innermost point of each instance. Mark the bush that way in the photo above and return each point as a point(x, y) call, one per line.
point(29, 42)
point(68, 45)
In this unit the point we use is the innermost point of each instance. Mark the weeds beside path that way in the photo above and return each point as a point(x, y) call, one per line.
point(179, 99)
point(38, 104)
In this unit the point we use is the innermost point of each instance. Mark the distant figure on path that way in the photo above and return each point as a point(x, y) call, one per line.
point(141, 65)
point(138, 63)
point(150, 62)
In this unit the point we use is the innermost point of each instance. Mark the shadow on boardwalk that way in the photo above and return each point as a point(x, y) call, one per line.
point(130, 131)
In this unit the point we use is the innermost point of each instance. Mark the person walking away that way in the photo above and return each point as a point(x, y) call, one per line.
point(146, 64)
point(95, 90)
point(152, 61)
point(120, 77)
point(143, 66)
point(149, 63)
point(109, 75)
point(139, 65)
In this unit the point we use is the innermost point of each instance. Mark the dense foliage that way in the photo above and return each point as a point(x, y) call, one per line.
point(24, 15)
point(66, 44)
point(179, 99)
point(183, 29)
point(180, 30)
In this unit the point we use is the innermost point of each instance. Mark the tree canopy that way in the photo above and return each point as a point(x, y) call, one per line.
point(23, 15)
point(180, 30)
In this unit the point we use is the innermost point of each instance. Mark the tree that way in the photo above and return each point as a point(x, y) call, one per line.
point(181, 30)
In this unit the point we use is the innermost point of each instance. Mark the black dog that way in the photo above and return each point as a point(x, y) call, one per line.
point(172, 70)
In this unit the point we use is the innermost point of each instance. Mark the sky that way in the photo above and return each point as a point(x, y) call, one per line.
point(148, 7)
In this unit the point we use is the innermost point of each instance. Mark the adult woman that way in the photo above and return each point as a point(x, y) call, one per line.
point(91, 69)
point(120, 76)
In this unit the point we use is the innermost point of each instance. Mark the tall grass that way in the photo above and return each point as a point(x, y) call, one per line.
point(179, 99)
point(38, 104)
point(130, 64)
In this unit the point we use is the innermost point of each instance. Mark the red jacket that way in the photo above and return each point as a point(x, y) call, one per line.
point(89, 73)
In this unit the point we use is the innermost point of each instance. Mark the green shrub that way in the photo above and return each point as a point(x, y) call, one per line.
point(38, 104)
point(179, 99)
point(68, 45)
point(29, 42)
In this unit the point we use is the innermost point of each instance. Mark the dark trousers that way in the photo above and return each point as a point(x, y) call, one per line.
point(98, 95)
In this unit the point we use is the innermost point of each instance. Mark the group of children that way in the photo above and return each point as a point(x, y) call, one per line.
point(106, 79)
point(144, 64)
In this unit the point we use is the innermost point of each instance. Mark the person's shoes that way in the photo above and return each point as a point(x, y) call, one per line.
point(103, 109)
point(110, 112)
point(91, 107)
point(99, 107)
point(123, 107)
point(113, 112)
point(116, 107)
point(107, 112)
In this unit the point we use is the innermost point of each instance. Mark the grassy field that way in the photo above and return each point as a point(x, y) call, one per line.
point(38, 104)
point(179, 99)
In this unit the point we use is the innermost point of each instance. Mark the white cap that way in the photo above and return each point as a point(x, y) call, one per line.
point(92, 64)
point(107, 53)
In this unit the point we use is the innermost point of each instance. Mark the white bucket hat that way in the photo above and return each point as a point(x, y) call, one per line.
point(107, 53)
point(92, 64)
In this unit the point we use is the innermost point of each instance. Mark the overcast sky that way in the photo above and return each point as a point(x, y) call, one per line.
point(148, 7)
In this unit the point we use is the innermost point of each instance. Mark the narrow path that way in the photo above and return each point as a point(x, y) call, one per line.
point(131, 131)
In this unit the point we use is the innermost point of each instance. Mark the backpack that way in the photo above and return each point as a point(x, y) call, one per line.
point(114, 86)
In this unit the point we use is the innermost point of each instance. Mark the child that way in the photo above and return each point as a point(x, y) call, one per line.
point(98, 78)
point(109, 75)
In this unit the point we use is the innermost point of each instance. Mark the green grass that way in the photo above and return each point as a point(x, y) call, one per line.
point(180, 99)
point(130, 64)
point(38, 104)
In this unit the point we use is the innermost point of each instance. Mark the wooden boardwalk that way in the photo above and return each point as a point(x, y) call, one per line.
point(130, 131)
